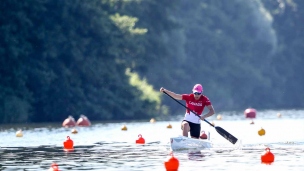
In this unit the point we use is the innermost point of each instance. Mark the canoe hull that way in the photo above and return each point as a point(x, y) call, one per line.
point(184, 143)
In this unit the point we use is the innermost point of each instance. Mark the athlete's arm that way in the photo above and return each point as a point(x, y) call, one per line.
point(210, 113)
point(174, 95)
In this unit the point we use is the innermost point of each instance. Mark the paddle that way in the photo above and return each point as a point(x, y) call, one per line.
point(220, 130)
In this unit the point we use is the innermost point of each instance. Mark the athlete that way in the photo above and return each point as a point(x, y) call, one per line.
point(195, 101)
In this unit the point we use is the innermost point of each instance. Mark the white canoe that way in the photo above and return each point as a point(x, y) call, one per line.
point(184, 143)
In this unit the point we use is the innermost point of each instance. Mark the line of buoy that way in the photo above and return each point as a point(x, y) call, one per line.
point(219, 117)
point(250, 113)
point(68, 145)
point(74, 131)
point(172, 163)
point(140, 140)
point(267, 157)
point(54, 167)
point(279, 115)
point(124, 128)
point(83, 121)
point(261, 132)
point(152, 120)
point(69, 122)
point(203, 135)
point(19, 133)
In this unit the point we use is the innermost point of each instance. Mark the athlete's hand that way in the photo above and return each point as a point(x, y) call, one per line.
point(202, 117)
point(162, 89)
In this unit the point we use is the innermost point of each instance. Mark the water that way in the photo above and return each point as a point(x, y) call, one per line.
point(104, 146)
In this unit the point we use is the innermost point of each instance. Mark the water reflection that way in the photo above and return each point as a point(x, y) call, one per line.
point(102, 156)
point(196, 155)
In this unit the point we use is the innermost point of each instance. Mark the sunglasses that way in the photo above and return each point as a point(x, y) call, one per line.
point(196, 93)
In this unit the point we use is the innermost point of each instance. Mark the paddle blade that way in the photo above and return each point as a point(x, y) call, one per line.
point(226, 134)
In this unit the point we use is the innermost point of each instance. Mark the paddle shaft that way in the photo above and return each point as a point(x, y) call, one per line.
point(188, 108)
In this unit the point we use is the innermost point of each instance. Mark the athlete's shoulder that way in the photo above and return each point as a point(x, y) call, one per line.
point(205, 98)
point(186, 96)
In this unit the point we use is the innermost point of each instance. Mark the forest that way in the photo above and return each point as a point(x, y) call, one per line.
point(107, 59)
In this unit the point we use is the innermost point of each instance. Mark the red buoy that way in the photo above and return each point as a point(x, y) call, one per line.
point(172, 164)
point(54, 167)
point(83, 121)
point(68, 144)
point(203, 135)
point(140, 140)
point(69, 122)
point(267, 157)
point(250, 113)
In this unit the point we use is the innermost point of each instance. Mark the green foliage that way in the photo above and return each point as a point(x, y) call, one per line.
point(228, 47)
point(107, 59)
point(148, 93)
point(69, 58)
point(126, 24)
point(288, 18)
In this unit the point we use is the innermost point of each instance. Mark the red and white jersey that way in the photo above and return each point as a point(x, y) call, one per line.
point(196, 106)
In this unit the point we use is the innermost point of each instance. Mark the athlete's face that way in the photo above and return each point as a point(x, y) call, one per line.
point(197, 95)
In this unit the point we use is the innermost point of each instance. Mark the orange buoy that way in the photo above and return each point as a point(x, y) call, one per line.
point(250, 113)
point(203, 135)
point(54, 167)
point(68, 144)
point(261, 132)
point(69, 122)
point(169, 126)
point(267, 157)
point(74, 131)
point(124, 128)
point(83, 121)
point(172, 164)
point(219, 117)
point(140, 140)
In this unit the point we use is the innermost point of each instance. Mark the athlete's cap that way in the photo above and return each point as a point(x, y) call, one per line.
point(197, 88)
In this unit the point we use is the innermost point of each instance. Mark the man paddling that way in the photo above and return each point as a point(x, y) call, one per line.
point(196, 102)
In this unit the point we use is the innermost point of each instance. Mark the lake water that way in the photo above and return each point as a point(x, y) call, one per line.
point(104, 146)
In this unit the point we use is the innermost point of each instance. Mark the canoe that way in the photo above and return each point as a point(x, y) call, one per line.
point(185, 143)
